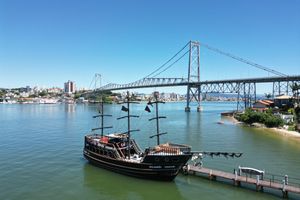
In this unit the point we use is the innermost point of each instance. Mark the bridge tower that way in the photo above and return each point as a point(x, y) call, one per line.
point(193, 89)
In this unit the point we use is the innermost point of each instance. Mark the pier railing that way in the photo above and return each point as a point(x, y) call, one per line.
point(274, 179)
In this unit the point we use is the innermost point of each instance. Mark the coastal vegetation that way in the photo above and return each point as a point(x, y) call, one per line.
point(297, 117)
point(274, 116)
point(296, 91)
point(267, 118)
point(106, 96)
point(2, 92)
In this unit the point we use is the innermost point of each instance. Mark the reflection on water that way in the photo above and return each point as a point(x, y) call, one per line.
point(41, 152)
point(110, 185)
point(70, 108)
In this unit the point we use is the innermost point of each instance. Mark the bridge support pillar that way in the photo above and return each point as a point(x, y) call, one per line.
point(193, 93)
point(199, 108)
point(246, 95)
point(187, 109)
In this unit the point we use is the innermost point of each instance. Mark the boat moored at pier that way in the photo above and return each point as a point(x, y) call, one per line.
point(121, 153)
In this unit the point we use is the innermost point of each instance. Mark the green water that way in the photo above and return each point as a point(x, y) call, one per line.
point(41, 153)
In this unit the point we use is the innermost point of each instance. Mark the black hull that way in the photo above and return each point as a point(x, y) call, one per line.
point(139, 170)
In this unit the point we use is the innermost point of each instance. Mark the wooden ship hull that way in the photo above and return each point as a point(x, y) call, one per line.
point(163, 165)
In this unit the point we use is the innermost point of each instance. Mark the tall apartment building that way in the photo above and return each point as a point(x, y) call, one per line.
point(69, 87)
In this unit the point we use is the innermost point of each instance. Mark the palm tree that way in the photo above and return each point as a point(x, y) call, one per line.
point(268, 95)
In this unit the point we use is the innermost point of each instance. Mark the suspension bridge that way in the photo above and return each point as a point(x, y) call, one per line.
point(244, 88)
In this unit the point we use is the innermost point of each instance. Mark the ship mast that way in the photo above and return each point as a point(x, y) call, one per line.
point(128, 116)
point(156, 102)
point(101, 115)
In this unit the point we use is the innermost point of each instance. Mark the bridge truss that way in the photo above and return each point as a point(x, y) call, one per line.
point(244, 88)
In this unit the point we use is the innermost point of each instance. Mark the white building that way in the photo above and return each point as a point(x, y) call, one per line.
point(69, 87)
point(54, 90)
point(287, 118)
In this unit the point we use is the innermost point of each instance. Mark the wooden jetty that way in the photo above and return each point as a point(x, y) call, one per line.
point(238, 179)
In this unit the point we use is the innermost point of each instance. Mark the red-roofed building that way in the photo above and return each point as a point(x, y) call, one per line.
point(263, 105)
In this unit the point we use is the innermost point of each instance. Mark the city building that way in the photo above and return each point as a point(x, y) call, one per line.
point(69, 87)
point(283, 101)
point(54, 90)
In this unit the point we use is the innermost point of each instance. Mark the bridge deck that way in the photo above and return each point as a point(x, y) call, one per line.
point(168, 82)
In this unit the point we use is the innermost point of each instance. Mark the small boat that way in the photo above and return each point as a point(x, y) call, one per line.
point(119, 152)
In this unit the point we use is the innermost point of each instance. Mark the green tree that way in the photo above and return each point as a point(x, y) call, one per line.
point(77, 95)
point(43, 93)
point(273, 121)
point(267, 118)
point(1, 93)
point(295, 88)
point(33, 96)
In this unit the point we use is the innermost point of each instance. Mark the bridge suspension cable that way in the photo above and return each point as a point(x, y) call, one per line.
point(171, 64)
point(244, 60)
point(96, 78)
point(159, 68)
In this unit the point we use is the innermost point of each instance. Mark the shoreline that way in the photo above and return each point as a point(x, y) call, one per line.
point(279, 131)
point(283, 132)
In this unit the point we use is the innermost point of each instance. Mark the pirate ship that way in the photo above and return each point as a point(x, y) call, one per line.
point(120, 152)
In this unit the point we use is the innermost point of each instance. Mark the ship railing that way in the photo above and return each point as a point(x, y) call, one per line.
point(119, 150)
point(166, 150)
point(90, 138)
point(183, 148)
point(118, 154)
point(93, 135)
point(136, 147)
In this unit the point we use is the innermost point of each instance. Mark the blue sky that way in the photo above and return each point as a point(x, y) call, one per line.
point(47, 42)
